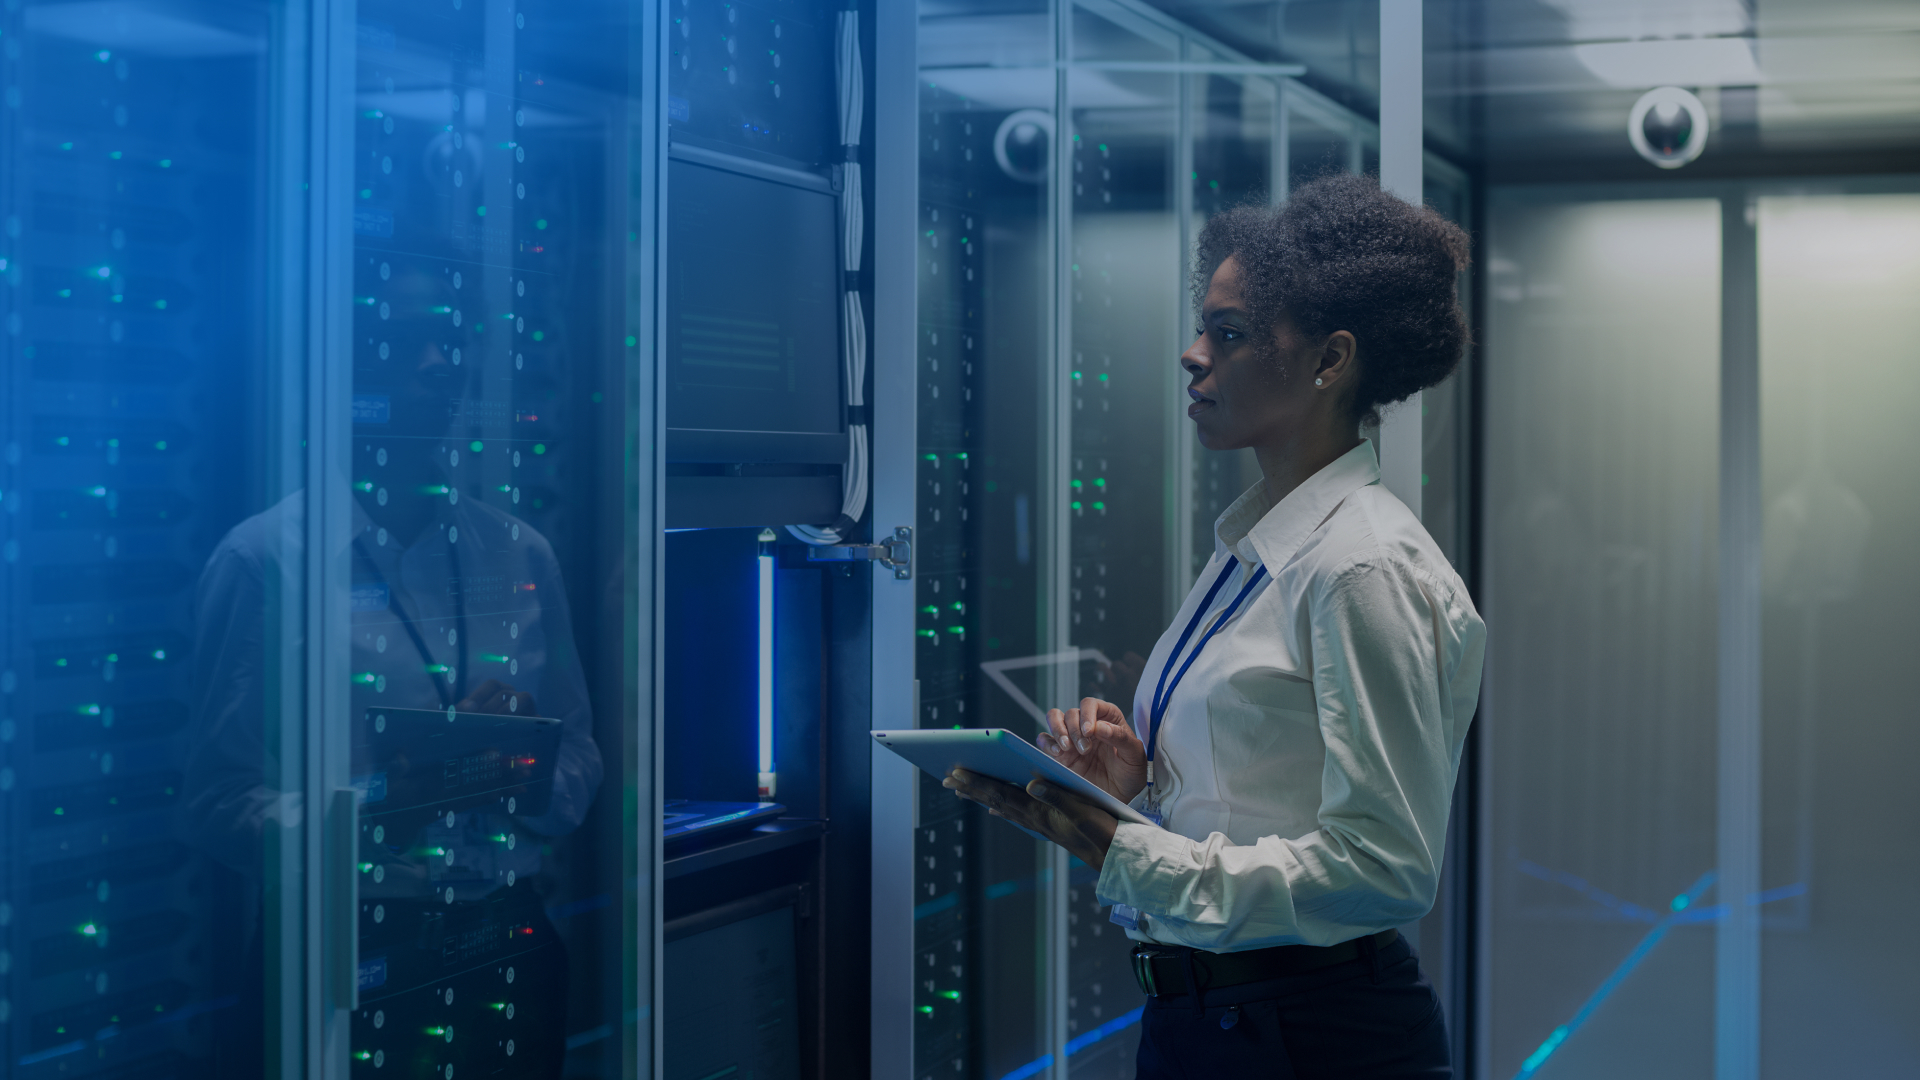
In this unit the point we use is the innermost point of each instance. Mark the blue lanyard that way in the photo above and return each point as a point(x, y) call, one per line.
point(1163, 693)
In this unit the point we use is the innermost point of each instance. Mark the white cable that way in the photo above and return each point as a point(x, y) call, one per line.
point(852, 88)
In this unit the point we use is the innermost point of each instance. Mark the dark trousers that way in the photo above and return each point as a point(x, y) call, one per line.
point(1373, 1018)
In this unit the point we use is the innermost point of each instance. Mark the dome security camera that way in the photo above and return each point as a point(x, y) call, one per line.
point(1668, 126)
point(1023, 145)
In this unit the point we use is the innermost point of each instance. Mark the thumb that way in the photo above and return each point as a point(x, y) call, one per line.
point(1121, 741)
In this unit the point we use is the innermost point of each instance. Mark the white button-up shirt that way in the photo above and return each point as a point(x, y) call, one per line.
point(1305, 765)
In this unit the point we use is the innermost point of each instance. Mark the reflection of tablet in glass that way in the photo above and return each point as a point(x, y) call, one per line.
point(998, 753)
point(406, 759)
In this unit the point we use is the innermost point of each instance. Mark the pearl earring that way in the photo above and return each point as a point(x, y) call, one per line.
point(1316, 382)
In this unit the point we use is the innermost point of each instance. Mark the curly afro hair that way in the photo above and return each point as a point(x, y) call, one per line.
point(1341, 254)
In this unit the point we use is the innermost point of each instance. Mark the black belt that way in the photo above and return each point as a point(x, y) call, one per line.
point(1161, 970)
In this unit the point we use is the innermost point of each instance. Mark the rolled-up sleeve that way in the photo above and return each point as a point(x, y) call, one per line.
point(1381, 641)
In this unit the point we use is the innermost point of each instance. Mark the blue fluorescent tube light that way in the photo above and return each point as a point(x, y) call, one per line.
point(766, 668)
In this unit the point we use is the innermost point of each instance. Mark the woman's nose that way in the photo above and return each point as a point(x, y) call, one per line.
point(1195, 360)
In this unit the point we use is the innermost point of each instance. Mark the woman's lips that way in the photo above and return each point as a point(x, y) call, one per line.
point(1199, 406)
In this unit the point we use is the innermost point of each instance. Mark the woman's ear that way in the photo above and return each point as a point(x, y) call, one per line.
point(1336, 363)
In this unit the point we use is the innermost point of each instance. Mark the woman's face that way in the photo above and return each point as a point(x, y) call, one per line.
point(1240, 397)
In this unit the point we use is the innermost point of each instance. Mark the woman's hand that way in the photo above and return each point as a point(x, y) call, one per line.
point(1085, 830)
point(1096, 741)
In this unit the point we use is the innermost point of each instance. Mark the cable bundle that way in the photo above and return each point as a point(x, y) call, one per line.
point(852, 80)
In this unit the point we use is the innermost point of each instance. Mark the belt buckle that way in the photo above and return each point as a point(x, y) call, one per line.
point(1143, 959)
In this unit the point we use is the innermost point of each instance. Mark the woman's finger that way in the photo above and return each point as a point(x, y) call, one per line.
point(1057, 727)
point(1106, 712)
point(1120, 740)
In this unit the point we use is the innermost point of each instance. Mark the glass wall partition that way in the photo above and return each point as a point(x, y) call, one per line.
point(1836, 609)
point(1600, 542)
point(1687, 713)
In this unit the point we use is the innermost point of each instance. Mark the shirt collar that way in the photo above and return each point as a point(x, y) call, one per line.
point(1256, 530)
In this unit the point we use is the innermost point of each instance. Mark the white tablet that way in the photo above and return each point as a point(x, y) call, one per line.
point(998, 753)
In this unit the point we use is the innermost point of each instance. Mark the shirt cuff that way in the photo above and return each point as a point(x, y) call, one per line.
point(1140, 868)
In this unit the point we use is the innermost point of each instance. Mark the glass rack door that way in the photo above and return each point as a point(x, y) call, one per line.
point(151, 834)
point(486, 541)
point(984, 348)
point(1122, 314)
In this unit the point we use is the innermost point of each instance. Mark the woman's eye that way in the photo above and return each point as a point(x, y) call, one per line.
point(1228, 333)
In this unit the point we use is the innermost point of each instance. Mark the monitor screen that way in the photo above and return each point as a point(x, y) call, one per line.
point(753, 303)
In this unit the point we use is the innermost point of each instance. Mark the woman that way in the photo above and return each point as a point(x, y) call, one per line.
point(1299, 725)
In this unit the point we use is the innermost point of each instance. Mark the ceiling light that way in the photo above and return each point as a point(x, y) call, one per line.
point(1632, 65)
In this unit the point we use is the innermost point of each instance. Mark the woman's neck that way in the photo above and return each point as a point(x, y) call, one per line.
point(1287, 463)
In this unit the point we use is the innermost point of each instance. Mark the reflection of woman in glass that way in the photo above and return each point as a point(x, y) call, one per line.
point(1304, 714)
point(455, 605)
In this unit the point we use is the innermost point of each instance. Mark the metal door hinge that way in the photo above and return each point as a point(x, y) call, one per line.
point(895, 552)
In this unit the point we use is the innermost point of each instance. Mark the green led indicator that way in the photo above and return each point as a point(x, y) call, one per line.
point(950, 995)
point(480, 211)
point(540, 223)
point(90, 929)
point(539, 448)
point(1076, 504)
point(476, 446)
point(539, 335)
point(632, 341)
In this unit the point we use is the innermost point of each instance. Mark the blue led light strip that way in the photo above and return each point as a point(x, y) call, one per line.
point(1045, 1061)
point(1684, 911)
point(1564, 1031)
